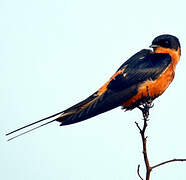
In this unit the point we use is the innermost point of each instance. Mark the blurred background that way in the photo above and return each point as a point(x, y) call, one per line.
point(54, 53)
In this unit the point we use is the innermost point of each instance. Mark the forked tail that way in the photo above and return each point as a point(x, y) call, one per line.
point(90, 107)
point(76, 113)
point(31, 124)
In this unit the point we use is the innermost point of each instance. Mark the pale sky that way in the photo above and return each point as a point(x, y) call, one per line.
point(55, 53)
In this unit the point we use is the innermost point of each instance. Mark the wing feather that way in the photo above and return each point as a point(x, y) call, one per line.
point(123, 85)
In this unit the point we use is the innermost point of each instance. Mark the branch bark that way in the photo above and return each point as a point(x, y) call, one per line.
point(169, 161)
point(145, 111)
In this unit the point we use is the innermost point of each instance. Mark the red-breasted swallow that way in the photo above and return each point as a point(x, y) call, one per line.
point(153, 69)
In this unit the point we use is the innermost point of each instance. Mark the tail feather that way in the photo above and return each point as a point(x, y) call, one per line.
point(36, 122)
point(98, 105)
point(76, 108)
point(90, 107)
point(31, 124)
point(30, 130)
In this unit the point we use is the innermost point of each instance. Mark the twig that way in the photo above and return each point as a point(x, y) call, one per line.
point(165, 162)
point(139, 172)
point(145, 111)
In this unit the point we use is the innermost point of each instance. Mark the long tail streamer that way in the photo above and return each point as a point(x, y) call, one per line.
point(28, 125)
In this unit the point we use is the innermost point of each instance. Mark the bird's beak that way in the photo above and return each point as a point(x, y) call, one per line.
point(153, 46)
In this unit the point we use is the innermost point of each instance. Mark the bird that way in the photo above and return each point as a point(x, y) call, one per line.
point(146, 74)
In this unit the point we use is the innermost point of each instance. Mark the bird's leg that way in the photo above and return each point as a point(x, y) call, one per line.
point(146, 106)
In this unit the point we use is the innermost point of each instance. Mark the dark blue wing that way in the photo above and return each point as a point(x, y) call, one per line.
point(141, 67)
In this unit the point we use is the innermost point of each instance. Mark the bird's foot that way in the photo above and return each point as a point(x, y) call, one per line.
point(145, 108)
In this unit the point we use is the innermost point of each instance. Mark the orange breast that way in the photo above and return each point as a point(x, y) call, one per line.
point(157, 87)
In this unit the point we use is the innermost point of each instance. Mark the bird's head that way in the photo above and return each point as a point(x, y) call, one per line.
point(166, 41)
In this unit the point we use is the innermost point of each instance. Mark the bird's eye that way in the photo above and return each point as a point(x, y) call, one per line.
point(166, 42)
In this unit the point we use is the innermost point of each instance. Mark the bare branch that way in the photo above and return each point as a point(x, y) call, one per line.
point(138, 126)
point(139, 172)
point(145, 112)
point(169, 161)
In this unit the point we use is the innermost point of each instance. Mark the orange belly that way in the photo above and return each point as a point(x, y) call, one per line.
point(155, 88)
